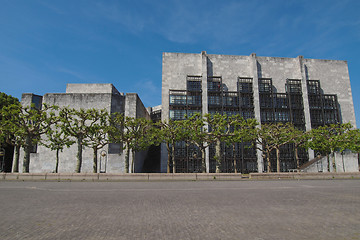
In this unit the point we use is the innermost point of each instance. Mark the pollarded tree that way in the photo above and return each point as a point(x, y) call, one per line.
point(97, 134)
point(11, 135)
point(28, 124)
point(264, 146)
point(7, 138)
point(77, 123)
point(170, 133)
point(137, 137)
point(279, 134)
point(56, 140)
point(300, 139)
point(330, 138)
point(219, 129)
point(271, 137)
point(352, 140)
point(241, 131)
point(196, 132)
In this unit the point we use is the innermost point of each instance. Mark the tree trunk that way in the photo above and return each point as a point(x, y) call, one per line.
point(217, 155)
point(16, 159)
point(95, 161)
point(79, 155)
point(57, 161)
point(27, 150)
point(268, 161)
point(234, 158)
point(203, 160)
point(328, 162)
point(333, 161)
point(127, 159)
point(132, 161)
point(169, 157)
point(297, 158)
point(278, 160)
point(173, 157)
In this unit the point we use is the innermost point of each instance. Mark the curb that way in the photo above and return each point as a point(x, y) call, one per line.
point(146, 177)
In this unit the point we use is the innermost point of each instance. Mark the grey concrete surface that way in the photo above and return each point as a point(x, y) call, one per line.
point(258, 210)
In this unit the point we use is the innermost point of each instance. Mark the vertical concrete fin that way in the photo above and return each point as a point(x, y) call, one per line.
point(302, 69)
point(254, 73)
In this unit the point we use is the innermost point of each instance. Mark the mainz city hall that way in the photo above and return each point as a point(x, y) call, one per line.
point(306, 92)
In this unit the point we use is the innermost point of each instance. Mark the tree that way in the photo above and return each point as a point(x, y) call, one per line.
point(330, 138)
point(136, 134)
point(219, 129)
point(196, 132)
point(136, 138)
point(352, 140)
point(56, 139)
point(171, 132)
point(271, 137)
point(7, 139)
point(27, 124)
point(97, 134)
point(77, 123)
point(241, 131)
point(300, 139)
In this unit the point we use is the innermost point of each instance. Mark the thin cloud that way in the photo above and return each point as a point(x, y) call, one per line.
point(78, 75)
point(149, 93)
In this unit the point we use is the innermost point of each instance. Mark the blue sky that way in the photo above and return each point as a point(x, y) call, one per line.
point(45, 44)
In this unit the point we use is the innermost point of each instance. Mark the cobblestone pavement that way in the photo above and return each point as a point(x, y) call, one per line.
point(181, 210)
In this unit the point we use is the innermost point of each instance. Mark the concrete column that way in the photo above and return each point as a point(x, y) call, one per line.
point(204, 96)
point(305, 99)
point(255, 77)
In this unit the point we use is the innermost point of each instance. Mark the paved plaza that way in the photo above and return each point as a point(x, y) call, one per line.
point(255, 210)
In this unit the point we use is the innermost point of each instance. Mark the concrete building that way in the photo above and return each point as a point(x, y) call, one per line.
point(306, 92)
point(99, 96)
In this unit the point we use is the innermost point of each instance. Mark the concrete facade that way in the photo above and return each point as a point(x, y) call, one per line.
point(345, 162)
point(332, 74)
point(86, 96)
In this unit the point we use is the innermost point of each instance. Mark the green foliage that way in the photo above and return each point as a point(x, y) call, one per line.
point(25, 125)
point(6, 100)
point(330, 138)
point(271, 137)
point(352, 140)
point(78, 124)
point(196, 133)
point(135, 134)
point(170, 133)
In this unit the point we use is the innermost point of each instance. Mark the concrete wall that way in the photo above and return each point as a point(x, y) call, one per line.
point(136, 109)
point(333, 76)
point(82, 96)
point(345, 162)
point(91, 88)
point(334, 79)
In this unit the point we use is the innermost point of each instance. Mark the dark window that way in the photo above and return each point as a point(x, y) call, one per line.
point(214, 100)
point(293, 86)
point(245, 85)
point(177, 99)
point(194, 83)
point(214, 84)
point(313, 86)
point(177, 114)
point(265, 85)
point(281, 101)
point(194, 100)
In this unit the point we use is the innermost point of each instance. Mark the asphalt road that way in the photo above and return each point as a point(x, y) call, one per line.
point(324, 209)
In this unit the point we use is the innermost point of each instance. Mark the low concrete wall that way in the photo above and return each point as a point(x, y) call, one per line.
point(118, 177)
point(104, 177)
point(302, 175)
